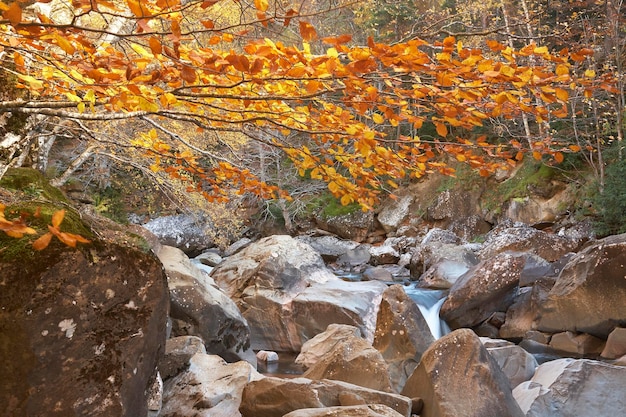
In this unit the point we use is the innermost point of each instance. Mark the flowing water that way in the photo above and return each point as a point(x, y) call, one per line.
point(429, 302)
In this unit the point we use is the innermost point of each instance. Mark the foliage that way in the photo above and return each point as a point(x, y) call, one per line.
point(175, 62)
point(610, 203)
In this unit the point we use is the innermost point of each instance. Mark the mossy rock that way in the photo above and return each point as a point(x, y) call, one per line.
point(32, 184)
point(38, 215)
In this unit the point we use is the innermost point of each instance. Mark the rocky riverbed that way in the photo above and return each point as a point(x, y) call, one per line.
point(537, 328)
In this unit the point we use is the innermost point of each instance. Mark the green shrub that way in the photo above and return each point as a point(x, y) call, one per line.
point(610, 203)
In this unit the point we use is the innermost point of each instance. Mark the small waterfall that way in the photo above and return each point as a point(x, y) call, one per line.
point(429, 302)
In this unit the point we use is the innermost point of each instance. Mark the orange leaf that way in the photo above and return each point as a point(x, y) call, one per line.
point(442, 130)
point(135, 7)
point(188, 74)
point(537, 155)
point(42, 242)
point(155, 46)
point(558, 157)
point(13, 14)
point(307, 31)
point(574, 148)
point(57, 218)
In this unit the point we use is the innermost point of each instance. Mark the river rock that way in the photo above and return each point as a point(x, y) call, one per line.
point(275, 397)
point(458, 377)
point(615, 344)
point(394, 212)
point(209, 388)
point(314, 349)
point(82, 331)
point(517, 364)
point(441, 253)
point(352, 359)
point(523, 238)
point(402, 334)
point(351, 226)
point(578, 344)
point(196, 299)
point(384, 254)
point(287, 294)
point(178, 351)
point(574, 388)
point(594, 278)
point(330, 247)
point(486, 288)
point(369, 410)
point(186, 232)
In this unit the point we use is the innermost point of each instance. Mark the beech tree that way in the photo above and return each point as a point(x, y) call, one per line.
point(358, 117)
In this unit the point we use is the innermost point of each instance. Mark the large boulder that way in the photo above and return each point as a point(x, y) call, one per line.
point(523, 238)
point(351, 359)
point(178, 352)
point(188, 233)
point(402, 334)
point(314, 350)
point(275, 397)
point(82, 331)
point(517, 364)
point(574, 388)
point(211, 314)
point(287, 294)
point(209, 388)
point(367, 410)
point(486, 288)
point(355, 225)
point(590, 291)
point(458, 377)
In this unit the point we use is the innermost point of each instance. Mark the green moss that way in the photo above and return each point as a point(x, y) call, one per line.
point(32, 184)
point(12, 248)
point(328, 206)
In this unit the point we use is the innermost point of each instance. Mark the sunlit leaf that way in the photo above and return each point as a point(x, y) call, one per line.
point(42, 242)
point(57, 218)
point(261, 5)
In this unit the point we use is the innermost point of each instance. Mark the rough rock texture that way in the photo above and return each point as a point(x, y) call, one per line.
point(81, 331)
point(209, 388)
point(615, 344)
point(352, 359)
point(188, 233)
point(590, 291)
point(196, 299)
point(523, 238)
point(517, 364)
point(458, 377)
point(288, 296)
point(178, 351)
point(394, 212)
point(520, 316)
point(353, 226)
point(574, 388)
point(313, 350)
point(275, 397)
point(402, 335)
point(441, 253)
point(370, 410)
point(576, 344)
point(330, 247)
point(486, 288)
point(451, 206)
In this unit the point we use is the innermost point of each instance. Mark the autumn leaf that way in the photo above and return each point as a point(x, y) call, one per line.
point(261, 5)
point(442, 129)
point(13, 14)
point(42, 242)
point(307, 31)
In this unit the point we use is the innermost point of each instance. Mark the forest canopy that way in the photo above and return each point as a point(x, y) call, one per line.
point(238, 96)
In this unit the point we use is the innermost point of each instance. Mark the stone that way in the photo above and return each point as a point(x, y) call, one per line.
point(394, 212)
point(486, 288)
point(267, 356)
point(209, 258)
point(288, 295)
point(523, 238)
point(196, 299)
point(355, 257)
point(314, 349)
point(178, 351)
point(352, 226)
point(594, 278)
point(275, 397)
point(384, 254)
point(368, 410)
point(355, 361)
point(458, 377)
point(615, 344)
point(520, 316)
point(155, 396)
point(82, 331)
point(185, 232)
point(330, 247)
point(209, 388)
point(578, 344)
point(402, 334)
point(442, 247)
point(377, 273)
point(517, 364)
point(573, 388)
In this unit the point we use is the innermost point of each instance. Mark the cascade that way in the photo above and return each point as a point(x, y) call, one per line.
point(429, 302)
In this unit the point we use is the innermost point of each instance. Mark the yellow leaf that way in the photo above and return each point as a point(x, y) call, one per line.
point(461, 158)
point(346, 199)
point(332, 52)
point(378, 118)
point(34, 82)
point(64, 44)
point(333, 187)
point(261, 5)
point(141, 50)
point(590, 73)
